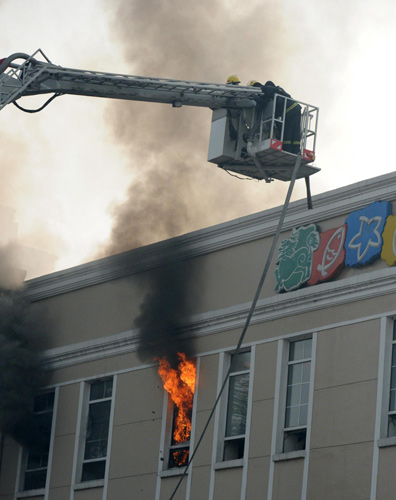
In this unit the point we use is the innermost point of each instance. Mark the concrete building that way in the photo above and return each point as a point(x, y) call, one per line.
point(309, 408)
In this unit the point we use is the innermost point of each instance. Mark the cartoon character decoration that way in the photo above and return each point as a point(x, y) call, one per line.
point(295, 256)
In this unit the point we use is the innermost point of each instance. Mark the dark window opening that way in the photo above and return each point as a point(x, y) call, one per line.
point(93, 470)
point(37, 456)
point(234, 449)
point(294, 440)
point(392, 425)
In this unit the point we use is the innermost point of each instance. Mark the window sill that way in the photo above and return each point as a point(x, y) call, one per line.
point(99, 483)
point(382, 443)
point(172, 472)
point(290, 455)
point(30, 493)
point(229, 464)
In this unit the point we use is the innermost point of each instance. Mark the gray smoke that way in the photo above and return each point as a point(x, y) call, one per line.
point(22, 332)
point(174, 189)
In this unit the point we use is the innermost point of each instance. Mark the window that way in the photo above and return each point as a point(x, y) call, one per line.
point(297, 395)
point(392, 395)
point(179, 384)
point(179, 448)
point(36, 458)
point(237, 405)
point(97, 430)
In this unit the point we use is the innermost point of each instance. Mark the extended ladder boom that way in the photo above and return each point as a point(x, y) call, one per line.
point(250, 134)
point(33, 77)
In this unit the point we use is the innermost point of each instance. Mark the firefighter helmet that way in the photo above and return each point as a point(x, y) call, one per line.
point(233, 80)
point(254, 83)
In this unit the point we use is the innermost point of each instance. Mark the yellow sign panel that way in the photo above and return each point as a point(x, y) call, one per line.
point(388, 253)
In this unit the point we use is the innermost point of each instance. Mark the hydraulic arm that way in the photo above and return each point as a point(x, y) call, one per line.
point(22, 75)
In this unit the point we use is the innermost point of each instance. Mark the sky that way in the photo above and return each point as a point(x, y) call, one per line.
point(91, 177)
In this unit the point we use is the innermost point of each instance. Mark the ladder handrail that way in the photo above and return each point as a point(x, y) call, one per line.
point(87, 82)
point(308, 111)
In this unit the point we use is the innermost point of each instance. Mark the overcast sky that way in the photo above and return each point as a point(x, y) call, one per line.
point(90, 177)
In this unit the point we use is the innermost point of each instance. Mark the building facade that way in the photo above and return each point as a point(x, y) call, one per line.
point(308, 409)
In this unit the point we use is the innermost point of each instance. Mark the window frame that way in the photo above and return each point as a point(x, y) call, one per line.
point(82, 431)
point(281, 429)
point(168, 446)
point(24, 453)
point(164, 469)
point(390, 341)
point(300, 428)
point(221, 461)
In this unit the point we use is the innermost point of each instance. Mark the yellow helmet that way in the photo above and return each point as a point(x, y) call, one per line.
point(233, 80)
point(252, 82)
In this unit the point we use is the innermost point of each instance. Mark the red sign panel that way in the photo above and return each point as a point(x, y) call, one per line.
point(328, 260)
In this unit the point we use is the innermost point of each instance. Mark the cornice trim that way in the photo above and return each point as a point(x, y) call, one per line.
point(253, 227)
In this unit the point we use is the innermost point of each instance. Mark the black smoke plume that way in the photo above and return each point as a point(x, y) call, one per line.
point(22, 331)
point(164, 312)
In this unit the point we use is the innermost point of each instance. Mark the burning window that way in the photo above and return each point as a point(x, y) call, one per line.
point(180, 385)
point(36, 458)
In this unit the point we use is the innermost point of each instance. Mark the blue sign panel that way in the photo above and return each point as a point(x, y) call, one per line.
point(363, 242)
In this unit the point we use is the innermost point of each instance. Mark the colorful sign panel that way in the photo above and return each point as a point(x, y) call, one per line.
point(328, 260)
point(363, 242)
point(294, 259)
point(388, 253)
point(309, 257)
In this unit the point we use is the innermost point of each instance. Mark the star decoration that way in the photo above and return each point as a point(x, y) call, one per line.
point(368, 236)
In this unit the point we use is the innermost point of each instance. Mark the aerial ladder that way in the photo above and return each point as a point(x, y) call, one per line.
point(246, 138)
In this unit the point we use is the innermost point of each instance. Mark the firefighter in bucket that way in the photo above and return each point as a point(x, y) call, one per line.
point(292, 132)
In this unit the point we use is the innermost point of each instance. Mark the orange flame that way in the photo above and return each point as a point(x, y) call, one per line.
point(180, 385)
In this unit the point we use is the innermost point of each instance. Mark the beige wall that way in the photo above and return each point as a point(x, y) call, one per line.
point(288, 479)
point(341, 472)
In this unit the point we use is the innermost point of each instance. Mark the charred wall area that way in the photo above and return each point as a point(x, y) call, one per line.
point(23, 328)
point(165, 310)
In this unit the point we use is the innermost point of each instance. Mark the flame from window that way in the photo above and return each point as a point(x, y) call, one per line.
point(180, 385)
